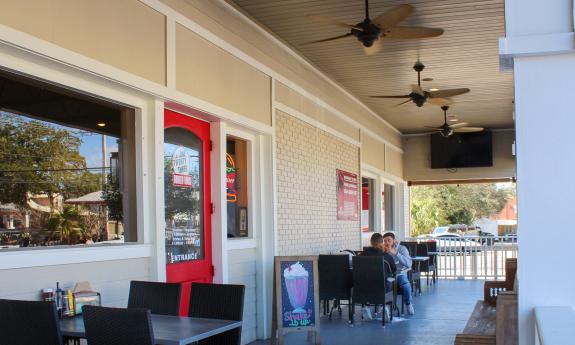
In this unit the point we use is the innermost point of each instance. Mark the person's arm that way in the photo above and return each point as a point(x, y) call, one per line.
point(403, 256)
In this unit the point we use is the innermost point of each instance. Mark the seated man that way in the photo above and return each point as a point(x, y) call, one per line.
point(376, 249)
point(403, 261)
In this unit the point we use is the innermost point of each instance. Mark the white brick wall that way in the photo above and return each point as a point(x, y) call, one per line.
point(307, 159)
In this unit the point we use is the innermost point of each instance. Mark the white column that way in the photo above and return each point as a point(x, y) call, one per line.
point(218, 186)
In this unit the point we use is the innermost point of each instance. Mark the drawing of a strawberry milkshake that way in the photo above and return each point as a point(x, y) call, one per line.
point(296, 278)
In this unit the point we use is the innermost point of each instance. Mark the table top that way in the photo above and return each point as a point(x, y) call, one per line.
point(168, 330)
point(420, 258)
point(432, 253)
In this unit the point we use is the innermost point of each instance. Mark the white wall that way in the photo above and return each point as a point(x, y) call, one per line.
point(242, 270)
point(540, 39)
point(545, 190)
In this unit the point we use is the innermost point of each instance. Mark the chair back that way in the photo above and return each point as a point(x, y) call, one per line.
point(219, 301)
point(334, 277)
point(117, 326)
point(422, 249)
point(29, 323)
point(160, 298)
point(432, 246)
point(369, 280)
point(411, 247)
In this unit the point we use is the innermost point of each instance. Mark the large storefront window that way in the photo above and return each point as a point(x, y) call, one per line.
point(66, 167)
point(237, 187)
point(387, 207)
point(367, 202)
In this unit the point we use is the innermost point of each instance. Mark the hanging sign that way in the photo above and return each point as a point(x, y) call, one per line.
point(347, 194)
point(296, 297)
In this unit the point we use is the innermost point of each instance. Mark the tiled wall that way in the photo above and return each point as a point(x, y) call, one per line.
point(306, 163)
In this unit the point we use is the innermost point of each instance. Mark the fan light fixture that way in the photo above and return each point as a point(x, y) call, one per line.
point(434, 89)
point(101, 124)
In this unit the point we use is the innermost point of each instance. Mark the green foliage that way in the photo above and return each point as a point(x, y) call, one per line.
point(182, 201)
point(38, 158)
point(433, 206)
point(113, 198)
point(66, 225)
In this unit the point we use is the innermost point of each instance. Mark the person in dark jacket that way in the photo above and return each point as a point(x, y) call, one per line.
point(376, 249)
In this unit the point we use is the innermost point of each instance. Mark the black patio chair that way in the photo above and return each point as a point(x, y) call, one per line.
point(335, 282)
point(219, 301)
point(427, 267)
point(29, 323)
point(117, 326)
point(415, 274)
point(160, 298)
point(370, 284)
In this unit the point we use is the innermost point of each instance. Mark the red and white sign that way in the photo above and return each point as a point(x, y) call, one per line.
point(347, 193)
point(182, 180)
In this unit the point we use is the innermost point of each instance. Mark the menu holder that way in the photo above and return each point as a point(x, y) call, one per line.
point(296, 298)
point(85, 295)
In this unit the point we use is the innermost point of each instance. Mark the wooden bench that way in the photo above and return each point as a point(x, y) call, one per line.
point(494, 320)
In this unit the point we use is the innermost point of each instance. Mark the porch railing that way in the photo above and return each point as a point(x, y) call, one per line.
point(472, 257)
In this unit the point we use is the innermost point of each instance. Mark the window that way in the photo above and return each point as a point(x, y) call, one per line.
point(367, 203)
point(387, 207)
point(237, 194)
point(67, 167)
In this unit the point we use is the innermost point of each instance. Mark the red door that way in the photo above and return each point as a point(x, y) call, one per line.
point(187, 202)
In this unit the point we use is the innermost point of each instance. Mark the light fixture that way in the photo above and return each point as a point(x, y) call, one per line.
point(453, 120)
point(101, 124)
point(434, 89)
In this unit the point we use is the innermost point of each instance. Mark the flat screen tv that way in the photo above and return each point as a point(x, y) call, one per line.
point(462, 150)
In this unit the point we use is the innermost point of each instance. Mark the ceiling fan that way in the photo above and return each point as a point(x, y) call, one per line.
point(419, 96)
point(447, 130)
point(370, 32)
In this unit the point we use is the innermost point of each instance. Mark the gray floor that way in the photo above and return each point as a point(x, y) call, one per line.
point(440, 312)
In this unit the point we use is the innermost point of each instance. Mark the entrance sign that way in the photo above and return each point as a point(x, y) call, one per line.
point(347, 193)
point(296, 297)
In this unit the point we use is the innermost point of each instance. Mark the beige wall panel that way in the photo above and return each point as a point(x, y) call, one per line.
point(207, 72)
point(417, 160)
point(125, 34)
point(394, 162)
point(242, 268)
point(296, 101)
point(110, 278)
point(218, 19)
point(372, 152)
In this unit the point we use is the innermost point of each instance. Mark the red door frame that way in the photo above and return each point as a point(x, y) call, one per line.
point(197, 270)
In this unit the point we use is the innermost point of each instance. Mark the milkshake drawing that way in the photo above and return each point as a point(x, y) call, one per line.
point(296, 279)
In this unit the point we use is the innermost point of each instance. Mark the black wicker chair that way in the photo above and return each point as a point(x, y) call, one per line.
point(370, 284)
point(29, 323)
point(219, 301)
point(160, 298)
point(117, 326)
point(415, 274)
point(335, 282)
point(427, 267)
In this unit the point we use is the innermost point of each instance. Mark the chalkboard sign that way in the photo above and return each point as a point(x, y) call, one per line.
point(296, 296)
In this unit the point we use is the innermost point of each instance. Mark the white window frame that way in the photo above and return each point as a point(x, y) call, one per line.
point(253, 230)
point(36, 67)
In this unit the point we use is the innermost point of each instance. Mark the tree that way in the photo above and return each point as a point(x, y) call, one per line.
point(433, 206)
point(65, 224)
point(38, 158)
point(113, 199)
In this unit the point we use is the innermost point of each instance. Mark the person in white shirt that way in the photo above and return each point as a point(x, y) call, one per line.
point(402, 260)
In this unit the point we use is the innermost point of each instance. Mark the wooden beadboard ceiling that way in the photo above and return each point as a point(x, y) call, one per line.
point(466, 55)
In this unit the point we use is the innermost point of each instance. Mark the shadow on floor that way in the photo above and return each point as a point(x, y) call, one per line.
point(441, 311)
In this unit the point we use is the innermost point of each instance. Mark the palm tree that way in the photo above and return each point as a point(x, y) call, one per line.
point(66, 223)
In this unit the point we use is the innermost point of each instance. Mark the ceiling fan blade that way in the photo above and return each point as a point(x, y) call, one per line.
point(439, 101)
point(434, 128)
point(332, 21)
point(417, 89)
point(458, 125)
point(410, 32)
point(393, 16)
point(468, 129)
point(448, 92)
point(374, 49)
point(329, 39)
point(402, 103)
point(403, 96)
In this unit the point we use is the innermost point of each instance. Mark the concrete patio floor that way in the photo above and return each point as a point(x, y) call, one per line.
point(440, 312)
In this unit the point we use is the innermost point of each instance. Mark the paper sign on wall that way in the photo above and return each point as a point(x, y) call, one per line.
point(347, 193)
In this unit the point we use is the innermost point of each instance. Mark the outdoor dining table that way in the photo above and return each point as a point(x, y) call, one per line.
point(168, 330)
